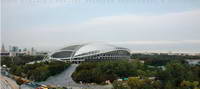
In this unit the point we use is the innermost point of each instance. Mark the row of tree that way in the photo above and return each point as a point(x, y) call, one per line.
point(175, 75)
point(19, 60)
point(39, 71)
point(161, 59)
point(98, 72)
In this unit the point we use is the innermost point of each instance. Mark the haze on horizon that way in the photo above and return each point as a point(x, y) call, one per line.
point(140, 25)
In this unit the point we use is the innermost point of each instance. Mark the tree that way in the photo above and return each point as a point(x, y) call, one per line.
point(169, 85)
point(189, 85)
point(157, 84)
point(38, 71)
point(175, 73)
point(120, 85)
point(135, 83)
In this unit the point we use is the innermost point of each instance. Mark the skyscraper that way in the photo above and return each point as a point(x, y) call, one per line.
point(3, 49)
point(32, 51)
point(15, 49)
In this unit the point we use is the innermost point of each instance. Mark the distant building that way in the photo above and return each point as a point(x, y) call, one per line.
point(25, 49)
point(20, 50)
point(4, 54)
point(10, 48)
point(3, 48)
point(193, 61)
point(15, 49)
point(3, 51)
point(42, 53)
point(33, 52)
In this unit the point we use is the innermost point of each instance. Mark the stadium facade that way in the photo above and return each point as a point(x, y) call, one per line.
point(90, 52)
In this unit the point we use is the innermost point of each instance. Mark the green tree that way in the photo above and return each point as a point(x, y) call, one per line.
point(169, 85)
point(120, 85)
point(157, 84)
point(135, 83)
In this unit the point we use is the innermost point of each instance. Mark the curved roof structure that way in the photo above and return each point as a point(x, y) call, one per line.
point(94, 47)
point(72, 47)
point(87, 50)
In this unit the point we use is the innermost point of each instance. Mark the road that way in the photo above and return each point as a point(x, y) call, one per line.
point(64, 80)
point(7, 83)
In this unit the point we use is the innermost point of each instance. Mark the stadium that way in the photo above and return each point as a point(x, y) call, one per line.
point(90, 52)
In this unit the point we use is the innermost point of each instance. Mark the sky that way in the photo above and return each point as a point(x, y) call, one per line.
point(140, 25)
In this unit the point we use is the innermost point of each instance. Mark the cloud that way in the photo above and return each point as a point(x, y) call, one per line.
point(174, 26)
point(190, 18)
point(166, 29)
point(161, 42)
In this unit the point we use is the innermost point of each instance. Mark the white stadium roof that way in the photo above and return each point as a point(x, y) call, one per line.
point(95, 47)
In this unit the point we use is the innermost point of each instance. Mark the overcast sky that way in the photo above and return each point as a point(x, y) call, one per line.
point(140, 25)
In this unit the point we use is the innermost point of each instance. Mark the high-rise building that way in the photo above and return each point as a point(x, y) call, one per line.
point(25, 49)
point(33, 51)
point(10, 48)
point(20, 50)
point(15, 49)
point(3, 49)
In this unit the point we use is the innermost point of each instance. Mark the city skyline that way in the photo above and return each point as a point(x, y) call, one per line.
point(161, 25)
